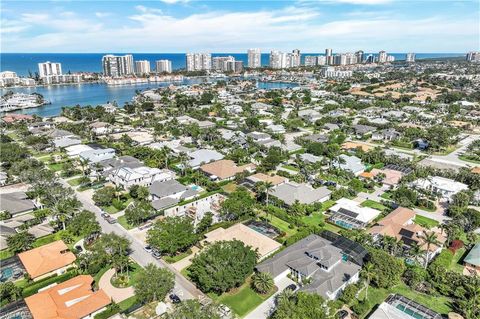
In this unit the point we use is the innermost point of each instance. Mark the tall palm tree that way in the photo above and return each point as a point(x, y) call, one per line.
point(368, 272)
point(262, 282)
point(429, 239)
point(268, 186)
point(415, 251)
point(285, 295)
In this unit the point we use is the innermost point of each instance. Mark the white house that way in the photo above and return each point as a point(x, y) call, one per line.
point(445, 187)
point(143, 176)
point(349, 214)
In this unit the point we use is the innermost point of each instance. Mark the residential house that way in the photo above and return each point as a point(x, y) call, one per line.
point(290, 192)
point(197, 209)
point(202, 156)
point(143, 176)
point(400, 225)
point(350, 163)
point(444, 187)
point(389, 134)
point(309, 115)
point(361, 130)
point(264, 245)
point(97, 155)
point(47, 260)
point(400, 307)
point(16, 203)
point(225, 169)
point(316, 138)
point(326, 263)
point(275, 180)
point(72, 299)
point(169, 193)
point(349, 214)
point(100, 128)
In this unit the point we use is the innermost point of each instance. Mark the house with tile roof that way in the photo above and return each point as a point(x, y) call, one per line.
point(225, 169)
point(47, 260)
point(72, 299)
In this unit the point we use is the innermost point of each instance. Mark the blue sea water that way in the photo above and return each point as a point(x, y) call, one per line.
point(23, 63)
point(99, 93)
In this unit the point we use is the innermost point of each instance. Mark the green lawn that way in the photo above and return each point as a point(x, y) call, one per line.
point(373, 204)
point(386, 195)
point(431, 210)
point(242, 300)
point(425, 221)
point(290, 167)
point(438, 304)
point(55, 167)
point(123, 222)
point(178, 257)
point(282, 225)
point(316, 218)
point(456, 265)
point(5, 253)
point(110, 209)
point(133, 274)
point(75, 181)
point(466, 159)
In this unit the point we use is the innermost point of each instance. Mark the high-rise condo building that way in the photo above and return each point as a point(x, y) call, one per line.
point(295, 59)
point(198, 62)
point(359, 56)
point(390, 58)
point(142, 67)
point(163, 66)
point(49, 68)
point(382, 57)
point(321, 60)
point(278, 60)
point(117, 65)
point(219, 63)
point(254, 58)
point(328, 54)
point(311, 60)
point(410, 57)
point(473, 56)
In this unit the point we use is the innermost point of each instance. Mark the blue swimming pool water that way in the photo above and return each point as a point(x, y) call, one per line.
point(6, 273)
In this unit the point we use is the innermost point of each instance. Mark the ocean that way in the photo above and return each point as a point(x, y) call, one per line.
point(25, 63)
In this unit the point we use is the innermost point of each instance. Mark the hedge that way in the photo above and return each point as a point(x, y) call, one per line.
point(36, 286)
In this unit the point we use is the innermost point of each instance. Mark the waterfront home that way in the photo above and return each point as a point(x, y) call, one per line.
point(326, 264)
point(47, 260)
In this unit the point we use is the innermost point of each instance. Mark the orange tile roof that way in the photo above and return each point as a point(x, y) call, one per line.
point(392, 224)
point(72, 299)
point(476, 170)
point(275, 179)
point(47, 258)
point(224, 169)
point(354, 145)
point(369, 175)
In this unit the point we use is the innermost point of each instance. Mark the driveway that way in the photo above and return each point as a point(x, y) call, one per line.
point(116, 294)
point(266, 308)
point(183, 288)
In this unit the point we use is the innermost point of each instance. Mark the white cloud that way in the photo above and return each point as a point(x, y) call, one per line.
point(102, 14)
point(174, 1)
point(364, 2)
point(151, 30)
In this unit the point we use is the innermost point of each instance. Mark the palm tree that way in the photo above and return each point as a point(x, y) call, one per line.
point(267, 186)
point(415, 251)
point(262, 282)
point(368, 273)
point(429, 239)
point(285, 295)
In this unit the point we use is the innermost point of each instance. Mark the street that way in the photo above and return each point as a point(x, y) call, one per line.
point(183, 288)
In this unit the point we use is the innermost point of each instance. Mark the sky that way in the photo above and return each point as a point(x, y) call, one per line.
point(171, 26)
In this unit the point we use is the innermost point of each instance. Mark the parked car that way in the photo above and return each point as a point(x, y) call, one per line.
point(148, 249)
point(111, 220)
point(105, 215)
point(292, 287)
point(79, 248)
point(156, 254)
point(174, 298)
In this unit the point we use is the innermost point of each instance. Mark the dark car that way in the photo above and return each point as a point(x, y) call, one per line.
point(79, 248)
point(342, 314)
point(292, 287)
point(174, 298)
point(105, 215)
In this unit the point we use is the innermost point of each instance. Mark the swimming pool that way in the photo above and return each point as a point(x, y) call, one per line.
point(409, 312)
point(263, 228)
point(6, 274)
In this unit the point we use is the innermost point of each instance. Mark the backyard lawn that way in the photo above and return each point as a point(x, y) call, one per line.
point(316, 218)
point(438, 304)
point(425, 221)
point(242, 300)
point(290, 167)
point(373, 204)
point(5, 253)
point(178, 257)
point(55, 167)
point(282, 225)
point(456, 262)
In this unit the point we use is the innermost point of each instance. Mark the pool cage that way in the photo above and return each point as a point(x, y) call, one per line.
point(412, 308)
point(355, 252)
point(16, 310)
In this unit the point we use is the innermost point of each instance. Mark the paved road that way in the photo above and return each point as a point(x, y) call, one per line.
point(183, 288)
point(265, 309)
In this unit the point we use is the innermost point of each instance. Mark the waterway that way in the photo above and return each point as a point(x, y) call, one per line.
point(99, 93)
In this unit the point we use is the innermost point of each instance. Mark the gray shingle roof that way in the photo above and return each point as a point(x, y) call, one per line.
point(305, 194)
point(15, 203)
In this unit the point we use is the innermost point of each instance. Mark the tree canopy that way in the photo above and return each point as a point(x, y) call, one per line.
point(172, 234)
